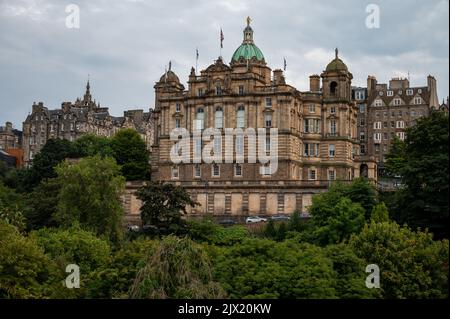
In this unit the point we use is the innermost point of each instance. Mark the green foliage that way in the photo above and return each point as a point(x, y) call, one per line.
point(42, 203)
point(351, 275)
point(411, 264)
point(163, 205)
point(91, 145)
point(13, 216)
point(359, 191)
point(423, 202)
point(10, 198)
point(206, 231)
point(396, 158)
point(131, 154)
point(115, 279)
point(90, 194)
point(24, 268)
point(73, 246)
point(54, 152)
point(270, 231)
point(179, 268)
point(342, 220)
point(262, 268)
point(380, 213)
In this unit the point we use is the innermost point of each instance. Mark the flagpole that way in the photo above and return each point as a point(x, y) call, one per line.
point(196, 59)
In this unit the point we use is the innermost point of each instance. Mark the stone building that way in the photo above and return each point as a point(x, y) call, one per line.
point(317, 138)
point(389, 110)
point(10, 137)
point(73, 120)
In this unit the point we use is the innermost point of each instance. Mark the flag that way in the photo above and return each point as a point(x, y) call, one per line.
point(285, 64)
point(221, 38)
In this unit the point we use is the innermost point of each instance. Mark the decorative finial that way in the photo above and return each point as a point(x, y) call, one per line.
point(170, 65)
point(336, 51)
point(248, 21)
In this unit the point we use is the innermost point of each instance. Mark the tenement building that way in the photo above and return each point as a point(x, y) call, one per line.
point(385, 111)
point(73, 120)
point(316, 140)
point(10, 138)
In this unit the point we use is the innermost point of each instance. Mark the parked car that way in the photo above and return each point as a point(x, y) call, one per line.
point(226, 222)
point(255, 219)
point(280, 218)
point(133, 228)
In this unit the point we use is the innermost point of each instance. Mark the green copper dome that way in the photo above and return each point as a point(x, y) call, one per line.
point(337, 64)
point(248, 51)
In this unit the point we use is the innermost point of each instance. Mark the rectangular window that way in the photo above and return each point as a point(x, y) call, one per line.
point(237, 170)
point(363, 148)
point(377, 125)
point(333, 110)
point(240, 145)
point(331, 150)
point(241, 90)
point(362, 108)
point(200, 91)
point(401, 135)
point(177, 123)
point(178, 107)
point(215, 170)
point(377, 137)
point(397, 102)
point(218, 90)
point(331, 175)
point(197, 171)
point(390, 93)
point(268, 102)
point(417, 100)
point(378, 103)
point(312, 174)
point(362, 136)
point(409, 92)
point(400, 124)
point(385, 124)
point(268, 120)
point(312, 108)
point(385, 136)
point(306, 122)
point(306, 149)
point(175, 172)
point(333, 127)
point(362, 121)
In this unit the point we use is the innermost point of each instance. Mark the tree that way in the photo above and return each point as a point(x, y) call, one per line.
point(270, 230)
point(163, 205)
point(90, 194)
point(53, 153)
point(423, 202)
point(179, 268)
point(91, 145)
point(359, 191)
point(344, 219)
point(24, 268)
point(113, 280)
point(396, 158)
point(262, 268)
point(380, 214)
point(131, 154)
point(41, 204)
point(411, 264)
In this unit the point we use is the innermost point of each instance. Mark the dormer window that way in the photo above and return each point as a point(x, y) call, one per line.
point(417, 100)
point(390, 93)
point(409, 92)
point(397, 102)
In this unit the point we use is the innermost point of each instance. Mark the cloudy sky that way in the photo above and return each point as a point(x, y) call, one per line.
point(125, 45)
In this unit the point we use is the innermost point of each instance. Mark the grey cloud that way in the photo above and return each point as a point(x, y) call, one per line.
point(125, 45)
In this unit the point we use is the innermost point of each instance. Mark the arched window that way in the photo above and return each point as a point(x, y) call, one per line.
point(240, 117)
point(333, 88)
point(218, 118)
point(200, 119)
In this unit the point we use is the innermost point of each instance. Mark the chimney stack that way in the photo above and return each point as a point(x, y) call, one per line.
point(314, 83)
